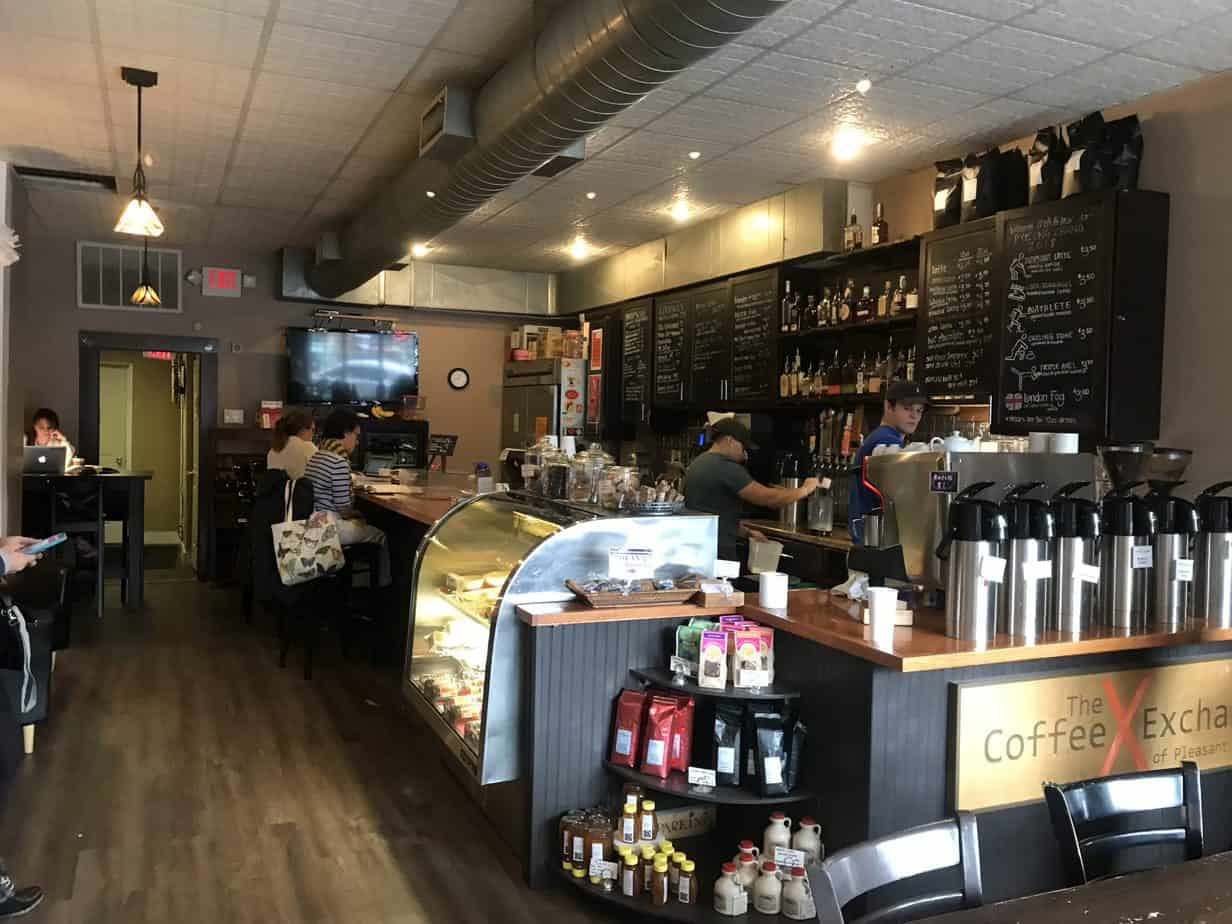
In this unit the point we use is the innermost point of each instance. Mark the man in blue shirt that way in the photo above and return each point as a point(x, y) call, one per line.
point(901, 412)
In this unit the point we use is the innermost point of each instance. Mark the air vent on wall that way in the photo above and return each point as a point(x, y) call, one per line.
point(69, 178)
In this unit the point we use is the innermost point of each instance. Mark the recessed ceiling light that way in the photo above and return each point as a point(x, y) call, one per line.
point(864, 85)
point(430, 194)
point(579, 249)
point(680, 210)
point(419, 250)
point(590, 195)
point(694, 155)
point(848, 141)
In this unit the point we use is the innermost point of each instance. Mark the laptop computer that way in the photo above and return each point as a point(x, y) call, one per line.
point(45, 460)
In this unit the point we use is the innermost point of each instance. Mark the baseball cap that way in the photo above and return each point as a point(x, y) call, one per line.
point(729, 426)
point(906, 392)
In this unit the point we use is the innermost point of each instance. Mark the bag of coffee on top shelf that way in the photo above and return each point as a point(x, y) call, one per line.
point(1013, 176)
point(1089, 167)
point(947, 194)
point(1047, 159)
point(1123, 142)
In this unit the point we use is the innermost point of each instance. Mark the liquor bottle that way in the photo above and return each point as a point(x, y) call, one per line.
point(849, 376)
point(794, 318)
point(865, 307)
point(810, 314)
point(785, 379)
point(847, 307)
point(911, 301)
point(899, 304)
point(862, 375)
point(785, 312)
point(911, 365)
point(887, 370)
point(794, 384)
point(825, 308)
point(900, 365)
point(853, 235)
point(834, 381)
point(883, 301)
point(879, 233)
point(875, 376)
point(848, 433)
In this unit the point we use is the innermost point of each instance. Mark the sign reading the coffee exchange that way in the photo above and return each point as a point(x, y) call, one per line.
point(1009, 738)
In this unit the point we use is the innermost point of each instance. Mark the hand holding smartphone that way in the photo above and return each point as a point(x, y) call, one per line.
point(42, 546)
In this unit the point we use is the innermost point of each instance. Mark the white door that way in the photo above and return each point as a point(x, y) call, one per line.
point(115, 424)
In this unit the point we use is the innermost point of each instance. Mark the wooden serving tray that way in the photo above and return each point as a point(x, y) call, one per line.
point(636, 598)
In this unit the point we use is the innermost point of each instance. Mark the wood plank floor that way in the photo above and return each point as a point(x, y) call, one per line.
point(184, 778)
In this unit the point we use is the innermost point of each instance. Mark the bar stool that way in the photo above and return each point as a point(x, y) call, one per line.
point(363, 559)
point(896, 858)
point(1093, 819)
point(77, 510)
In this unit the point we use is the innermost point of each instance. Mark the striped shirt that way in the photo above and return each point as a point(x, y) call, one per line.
point(330, 475)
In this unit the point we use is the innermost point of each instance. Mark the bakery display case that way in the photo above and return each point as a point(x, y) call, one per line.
point(474, 567)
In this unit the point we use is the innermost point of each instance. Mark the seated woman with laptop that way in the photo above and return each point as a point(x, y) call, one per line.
point(47, 449)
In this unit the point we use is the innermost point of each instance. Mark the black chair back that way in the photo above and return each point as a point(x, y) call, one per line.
point(858, 870)
point(1091, 818)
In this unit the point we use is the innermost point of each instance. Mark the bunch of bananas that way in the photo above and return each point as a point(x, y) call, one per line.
point(381, 412)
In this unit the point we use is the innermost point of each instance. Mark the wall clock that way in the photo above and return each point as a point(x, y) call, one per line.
point(459, 378)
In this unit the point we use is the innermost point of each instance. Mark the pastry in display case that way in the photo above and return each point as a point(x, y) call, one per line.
point(474, 566)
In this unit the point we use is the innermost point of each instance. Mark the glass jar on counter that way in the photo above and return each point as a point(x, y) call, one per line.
point(618, 484)
point(586, 472)
point(554, 477)
point(598, 838)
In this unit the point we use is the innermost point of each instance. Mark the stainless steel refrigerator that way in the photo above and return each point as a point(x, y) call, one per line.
point(551, 389)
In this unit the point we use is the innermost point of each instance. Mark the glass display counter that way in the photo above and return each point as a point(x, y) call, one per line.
point(474, 567)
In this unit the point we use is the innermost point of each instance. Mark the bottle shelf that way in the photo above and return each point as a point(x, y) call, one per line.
point(897, 322)
point(659, 677)
point(904, 254)
point(677, 785)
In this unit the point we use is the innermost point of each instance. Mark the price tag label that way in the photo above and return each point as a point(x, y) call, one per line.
point(969, 187)
point(700, 776)
point(604, 869)
point(748, 678)
point(939, 199)
point(1140, 557)
point(942, 482)
point(1036, 570)
point(788, 859)
point(1184, 570)
point(684, 666)
point(726, 569)
point(1088, 574)
point(716, 587)
point(992, 569)
point(629, 564)
point(825, 484)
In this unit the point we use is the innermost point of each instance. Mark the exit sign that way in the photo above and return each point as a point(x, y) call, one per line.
point(221, 281)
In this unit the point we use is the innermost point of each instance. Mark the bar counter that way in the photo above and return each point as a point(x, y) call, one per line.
point(425, 509)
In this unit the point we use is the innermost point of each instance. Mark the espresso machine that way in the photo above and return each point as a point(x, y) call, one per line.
point(1026, 592)
point(1127, 527)
point(974, 548)
point(1214, 557)
point(1176, 526)
point(1075, 559)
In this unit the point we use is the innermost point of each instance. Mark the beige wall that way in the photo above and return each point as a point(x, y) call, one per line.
point(46, 323)
point(1188, 154)
point(156, 437)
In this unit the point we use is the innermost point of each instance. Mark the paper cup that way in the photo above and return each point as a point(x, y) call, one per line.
point(772, 590)
point(882, 611)
point(568, 445)
point(1039, 442)
point(1065, 442)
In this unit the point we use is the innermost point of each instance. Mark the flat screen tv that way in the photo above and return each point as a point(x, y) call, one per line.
point(347, 367)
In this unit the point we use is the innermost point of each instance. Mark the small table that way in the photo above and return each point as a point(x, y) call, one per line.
point(1186, 892)
point(131, 485)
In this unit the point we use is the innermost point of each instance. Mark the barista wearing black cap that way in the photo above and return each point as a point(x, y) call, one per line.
point(717, 482)
point(900, 415)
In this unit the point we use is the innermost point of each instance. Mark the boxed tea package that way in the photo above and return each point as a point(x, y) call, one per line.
point(712, 665)
point(627, 727)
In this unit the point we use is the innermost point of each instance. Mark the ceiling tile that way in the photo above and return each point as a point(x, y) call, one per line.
point(195, 86)
point(1116, 79)
point(722, 182)
point(788, 21)
point(337, 109)
point(437, 68)
point(604, 138)
point(1112, 24)
point(1034, 50)
point(649, 147)
point(992, 78)
point(721, 120)
point(410, 22)
point(507, 24)
point(1207, 45)
point(179, 30)
point(51, 60)
point(649, 107)
point(64, 19)
point(998, 10)
point(721, 62)
point(251, 228)
point(338, 58)
point(788, 83)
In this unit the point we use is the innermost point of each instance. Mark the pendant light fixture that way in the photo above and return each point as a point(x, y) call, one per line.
point(138, 216)
point(144, 296)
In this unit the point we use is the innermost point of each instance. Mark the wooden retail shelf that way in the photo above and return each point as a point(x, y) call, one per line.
point(677, 785)
point(576, 613)
point(659, 677)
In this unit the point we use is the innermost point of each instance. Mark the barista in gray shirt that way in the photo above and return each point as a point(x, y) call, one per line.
point(717, 482)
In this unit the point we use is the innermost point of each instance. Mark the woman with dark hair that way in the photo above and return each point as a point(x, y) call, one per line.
point(292, 445)
point(45, 431)
point(329, 470)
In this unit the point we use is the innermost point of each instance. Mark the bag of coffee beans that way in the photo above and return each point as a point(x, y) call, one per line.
point(1046, 164)
point(1089, 167)
point(983, 184)
point(728, 721)
point(947, 194)
point(1123, 141)
point(1013, 171)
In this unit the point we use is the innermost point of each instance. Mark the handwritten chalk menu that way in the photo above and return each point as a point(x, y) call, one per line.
point(671, 321)
point(1051, 375)
point(755, 308)
point(958, 326)
point(710, 365)
point(635, 353)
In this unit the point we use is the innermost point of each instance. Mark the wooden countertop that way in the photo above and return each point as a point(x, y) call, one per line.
point(815, 615)
point(574, 613)
point(425, 508)
point(837, 541)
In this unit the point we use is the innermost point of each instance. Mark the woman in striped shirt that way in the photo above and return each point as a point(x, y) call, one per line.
point(329, 470)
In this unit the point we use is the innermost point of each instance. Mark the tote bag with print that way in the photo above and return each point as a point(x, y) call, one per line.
point(306, 549)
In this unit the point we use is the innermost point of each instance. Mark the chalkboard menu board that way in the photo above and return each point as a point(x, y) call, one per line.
point(710, 367)
point(635, 353)
point(755, 303)
point(958, 325)
point(671, 322)
point(1051, 369)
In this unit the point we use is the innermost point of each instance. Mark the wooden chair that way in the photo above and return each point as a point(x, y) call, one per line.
point(1092, 819)
point(896, 858)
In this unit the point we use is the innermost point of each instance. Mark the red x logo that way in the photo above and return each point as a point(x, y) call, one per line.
point(1125, 730)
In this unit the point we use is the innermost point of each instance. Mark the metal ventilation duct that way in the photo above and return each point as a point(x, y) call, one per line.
point(593, 60)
